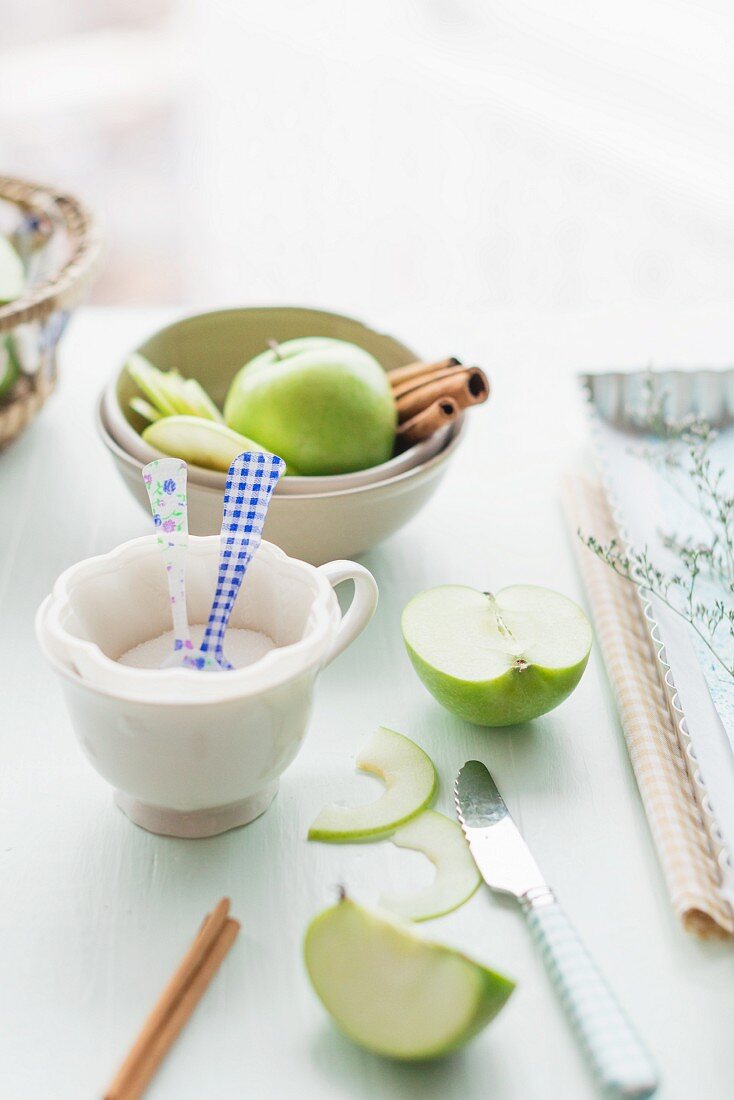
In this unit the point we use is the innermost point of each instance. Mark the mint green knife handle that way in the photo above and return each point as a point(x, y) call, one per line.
point(617, 1056)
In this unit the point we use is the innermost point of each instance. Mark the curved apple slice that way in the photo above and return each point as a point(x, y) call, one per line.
point(410, 780)
point(393, 992)
point(442, 841)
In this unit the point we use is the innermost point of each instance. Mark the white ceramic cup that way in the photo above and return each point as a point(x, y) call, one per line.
point(194, 753)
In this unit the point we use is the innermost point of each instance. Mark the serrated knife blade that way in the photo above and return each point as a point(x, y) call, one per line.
point(613, 1048)
point(504, 860)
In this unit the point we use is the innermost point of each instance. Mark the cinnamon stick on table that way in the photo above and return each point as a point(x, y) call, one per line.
point(175, 1004)
point(425, 423)
point(467, 386)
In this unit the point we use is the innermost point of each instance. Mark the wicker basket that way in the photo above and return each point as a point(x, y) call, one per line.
point(61, 249)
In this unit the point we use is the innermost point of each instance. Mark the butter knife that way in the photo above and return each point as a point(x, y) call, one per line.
point(615, 1052)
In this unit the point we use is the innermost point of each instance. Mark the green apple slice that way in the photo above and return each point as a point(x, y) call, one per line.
point(393, 992)
point(442, 841)
point(147, 378)
point(145, 409)
point(497, 660)
point(198, 441)
point(12, 273)
point(201, 401)
point(185, 395)
point(170, 393)
point(410, 785)
point(171, 385)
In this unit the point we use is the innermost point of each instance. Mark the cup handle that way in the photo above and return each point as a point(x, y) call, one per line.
point(362, 607)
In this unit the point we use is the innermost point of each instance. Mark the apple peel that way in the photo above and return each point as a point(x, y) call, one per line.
point(410, 782)
point(441, 840)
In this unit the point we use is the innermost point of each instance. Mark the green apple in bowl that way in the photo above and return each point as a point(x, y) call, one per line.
point(393, 992)
point(497, 660)
point(326, 406)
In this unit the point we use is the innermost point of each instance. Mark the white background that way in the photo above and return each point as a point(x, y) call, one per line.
point(499, 155)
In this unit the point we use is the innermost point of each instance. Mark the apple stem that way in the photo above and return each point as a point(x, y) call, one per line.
point(342, 892)
point(275, 348)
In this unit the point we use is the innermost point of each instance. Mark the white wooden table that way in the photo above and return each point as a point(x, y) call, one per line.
point(95, 912)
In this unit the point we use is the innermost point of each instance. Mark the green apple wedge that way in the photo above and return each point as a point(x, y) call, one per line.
point(497, 660)
point(393, 992)
point(324, 405)
point(199, 441)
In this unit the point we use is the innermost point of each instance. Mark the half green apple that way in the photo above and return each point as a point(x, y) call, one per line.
point(497, 660)
point(393, 992)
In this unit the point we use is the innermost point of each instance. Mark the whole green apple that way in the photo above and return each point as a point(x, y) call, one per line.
point(497, 660)
point(326, 406)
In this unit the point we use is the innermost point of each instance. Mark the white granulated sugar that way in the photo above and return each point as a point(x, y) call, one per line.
point(241, 648)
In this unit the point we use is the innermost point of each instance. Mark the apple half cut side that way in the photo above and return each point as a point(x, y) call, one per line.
point(199, 442)
point(457, 878)
point(410, 785)
point(393, 992)
point(497, 660)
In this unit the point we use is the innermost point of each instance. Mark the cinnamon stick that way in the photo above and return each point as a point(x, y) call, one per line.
point(415, 371)
point(422, 426)
point(175, 1004)
point(467, 386)
point(172, 1026)
point(433, 375)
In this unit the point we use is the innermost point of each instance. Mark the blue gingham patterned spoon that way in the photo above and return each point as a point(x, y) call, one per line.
point(165, 480)
point(251, 481)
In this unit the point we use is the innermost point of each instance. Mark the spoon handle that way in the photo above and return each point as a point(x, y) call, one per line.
point(165, 480)
point(251, 481)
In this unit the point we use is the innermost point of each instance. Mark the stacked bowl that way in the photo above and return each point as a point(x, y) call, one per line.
point(316, 519)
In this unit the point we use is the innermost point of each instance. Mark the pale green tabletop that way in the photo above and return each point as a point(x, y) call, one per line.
point(97, 912)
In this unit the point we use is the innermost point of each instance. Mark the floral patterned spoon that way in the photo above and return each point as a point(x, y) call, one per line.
point(165, 480)
point(251, 481)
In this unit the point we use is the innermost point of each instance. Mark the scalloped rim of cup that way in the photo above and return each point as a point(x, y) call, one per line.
point(374, 486)
point(276, 667)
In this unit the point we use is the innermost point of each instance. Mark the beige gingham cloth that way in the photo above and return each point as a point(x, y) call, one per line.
point(678, 829)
